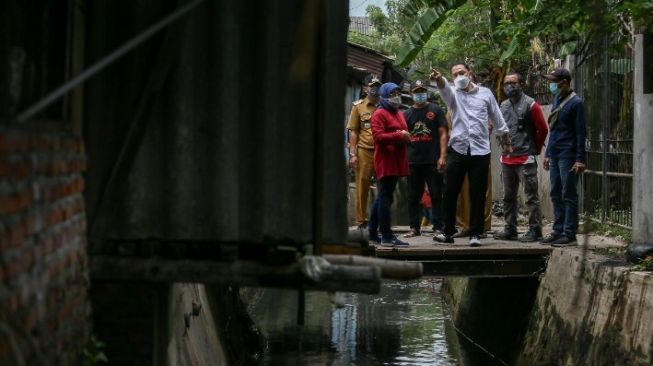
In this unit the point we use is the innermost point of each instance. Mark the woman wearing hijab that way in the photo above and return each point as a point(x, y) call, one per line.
point(390, 134)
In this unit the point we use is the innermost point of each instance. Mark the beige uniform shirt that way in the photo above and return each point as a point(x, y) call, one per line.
point(360, 120)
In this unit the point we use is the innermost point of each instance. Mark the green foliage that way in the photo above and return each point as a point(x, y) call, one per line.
point(593, 227)
point(94, 353)
point(515, 29)
point(645, 264)
point(426, 23)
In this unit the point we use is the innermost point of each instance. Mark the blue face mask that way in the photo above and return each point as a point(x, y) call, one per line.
point(419, 98)
point(553, 88)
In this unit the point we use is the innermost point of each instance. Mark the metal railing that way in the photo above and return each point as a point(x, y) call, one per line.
point(605, 82)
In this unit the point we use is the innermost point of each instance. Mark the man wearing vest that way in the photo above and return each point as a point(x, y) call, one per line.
point(361, 146)
point(564, 157)
point(528, 131)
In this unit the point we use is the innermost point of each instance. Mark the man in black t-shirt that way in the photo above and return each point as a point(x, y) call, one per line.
point(427, 156)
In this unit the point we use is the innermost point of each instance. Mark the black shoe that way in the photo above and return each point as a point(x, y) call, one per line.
point(374, 238)
point(474, 241)
point(443, 238)
point(550, 238)
point(565, 241)
point(506, 235)
point(393, 242)
point(531, 236)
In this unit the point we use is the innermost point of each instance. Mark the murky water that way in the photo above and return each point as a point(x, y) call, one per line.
point(405, 324)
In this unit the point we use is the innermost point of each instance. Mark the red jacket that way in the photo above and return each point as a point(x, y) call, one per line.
point(390, 153)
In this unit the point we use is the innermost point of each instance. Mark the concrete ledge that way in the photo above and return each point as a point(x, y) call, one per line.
point(590, 310)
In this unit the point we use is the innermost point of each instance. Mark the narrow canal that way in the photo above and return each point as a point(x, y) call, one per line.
point(407, 323)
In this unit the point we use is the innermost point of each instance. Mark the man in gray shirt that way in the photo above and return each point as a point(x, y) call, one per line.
point(471, 106)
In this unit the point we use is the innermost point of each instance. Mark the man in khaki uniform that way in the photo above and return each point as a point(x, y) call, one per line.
point(361, 146)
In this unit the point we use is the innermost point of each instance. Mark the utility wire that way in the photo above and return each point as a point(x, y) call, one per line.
point(359, 5)
point(425, 47)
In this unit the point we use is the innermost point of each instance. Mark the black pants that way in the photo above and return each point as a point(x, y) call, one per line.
point(458, 165)
point(420, 174)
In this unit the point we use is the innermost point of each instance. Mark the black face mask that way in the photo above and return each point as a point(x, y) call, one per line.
point(511, 90)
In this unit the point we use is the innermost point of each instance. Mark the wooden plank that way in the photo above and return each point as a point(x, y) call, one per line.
point(424, 247)
point(460, 251)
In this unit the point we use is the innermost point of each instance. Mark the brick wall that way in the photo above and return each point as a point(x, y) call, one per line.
point(44, 309)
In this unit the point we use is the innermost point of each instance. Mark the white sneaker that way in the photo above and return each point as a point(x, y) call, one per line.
point(474, 241)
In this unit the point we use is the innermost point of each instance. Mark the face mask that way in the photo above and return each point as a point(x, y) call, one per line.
point(511, 90)
point(461, 81)
point(419, 98)
point(553, 88)
point(395, 101)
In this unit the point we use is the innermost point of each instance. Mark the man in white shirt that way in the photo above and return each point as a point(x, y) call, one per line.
point(471, 106)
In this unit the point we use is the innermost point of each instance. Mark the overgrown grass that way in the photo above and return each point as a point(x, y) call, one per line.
point(593, 227)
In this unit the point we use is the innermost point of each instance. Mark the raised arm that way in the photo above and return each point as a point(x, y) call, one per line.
point(446, 91)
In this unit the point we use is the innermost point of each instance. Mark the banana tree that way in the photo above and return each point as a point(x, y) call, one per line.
point(430, 15)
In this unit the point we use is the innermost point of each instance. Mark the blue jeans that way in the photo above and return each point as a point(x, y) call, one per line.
point(564, 195)
point(380, 214)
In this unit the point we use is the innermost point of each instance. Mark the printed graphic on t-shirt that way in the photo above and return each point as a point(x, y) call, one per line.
point(421, 132)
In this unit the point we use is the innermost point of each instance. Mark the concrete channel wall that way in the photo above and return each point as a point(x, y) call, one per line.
point(588, 310)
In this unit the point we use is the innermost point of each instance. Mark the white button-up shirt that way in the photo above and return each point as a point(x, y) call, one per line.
point(470, 113)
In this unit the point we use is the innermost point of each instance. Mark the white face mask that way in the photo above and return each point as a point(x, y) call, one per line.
point(461, 81)
point(395, 101)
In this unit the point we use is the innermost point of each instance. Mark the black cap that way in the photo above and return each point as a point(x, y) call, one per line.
point(372, 80)
point(558, 74)
point(417, 84)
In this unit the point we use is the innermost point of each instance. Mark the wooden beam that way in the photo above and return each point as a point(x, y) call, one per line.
point(310, 273)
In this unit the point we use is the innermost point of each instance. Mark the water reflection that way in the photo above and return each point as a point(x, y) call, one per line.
point(405, 324)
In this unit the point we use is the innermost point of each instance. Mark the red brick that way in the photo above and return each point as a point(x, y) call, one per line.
point(16, 235)
point(5, 168)
point(3, 142)
point(11, 271)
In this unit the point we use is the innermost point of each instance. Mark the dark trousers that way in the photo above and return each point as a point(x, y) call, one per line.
point(564, 195)
point(420, 174)
point(380, 214)
point(458, 165)
point(511, 175)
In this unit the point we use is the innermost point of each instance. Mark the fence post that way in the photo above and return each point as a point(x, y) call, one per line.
point(604, 135)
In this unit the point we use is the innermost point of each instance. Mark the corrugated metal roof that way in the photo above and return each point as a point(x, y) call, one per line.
point(366, 58)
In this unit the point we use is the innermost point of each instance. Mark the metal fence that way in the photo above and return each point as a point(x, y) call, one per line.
point(605, 82)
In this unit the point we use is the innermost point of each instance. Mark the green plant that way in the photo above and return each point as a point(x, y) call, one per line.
point(590, 226)
point(645, 264)
point(94, 353)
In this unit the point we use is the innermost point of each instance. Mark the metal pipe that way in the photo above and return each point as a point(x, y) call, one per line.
point(106, 61)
